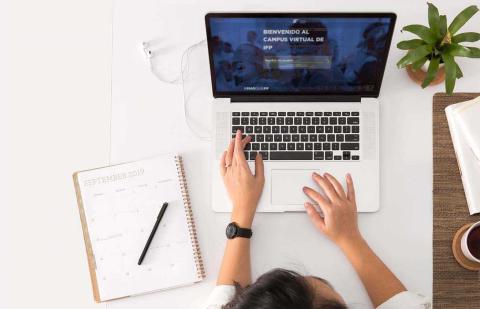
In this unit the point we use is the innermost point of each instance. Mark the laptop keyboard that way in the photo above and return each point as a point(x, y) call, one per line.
point(300, 135)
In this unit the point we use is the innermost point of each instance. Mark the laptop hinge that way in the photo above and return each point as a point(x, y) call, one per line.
point(368, 100)
point(295, 98)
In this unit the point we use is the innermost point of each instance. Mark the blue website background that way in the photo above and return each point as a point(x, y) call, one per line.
point(306, 54)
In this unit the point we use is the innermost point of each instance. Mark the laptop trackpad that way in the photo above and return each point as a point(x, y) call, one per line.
point(287, 186)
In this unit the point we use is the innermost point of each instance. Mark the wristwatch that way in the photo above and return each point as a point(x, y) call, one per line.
point(233, 231)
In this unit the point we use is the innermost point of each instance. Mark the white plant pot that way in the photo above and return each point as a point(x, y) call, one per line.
point(427, 63)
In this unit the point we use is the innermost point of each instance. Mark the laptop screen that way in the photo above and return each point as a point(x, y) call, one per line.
point(304, 54)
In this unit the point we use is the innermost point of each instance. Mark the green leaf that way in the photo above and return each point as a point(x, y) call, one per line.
point(462, 18)
point(418, 64)
point(423, 32)
point(459, 71)
point(457, 50)
point(466, 37)
point(431, 72)
point(410, 44)
point(434, 19)
point(443, 25)
point(414, 55)
point(450, 73)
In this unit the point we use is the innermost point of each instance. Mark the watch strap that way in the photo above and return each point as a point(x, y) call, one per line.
point(245, 233)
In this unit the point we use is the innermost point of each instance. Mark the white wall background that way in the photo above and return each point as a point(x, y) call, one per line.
point(54, 119)
point(55, 60)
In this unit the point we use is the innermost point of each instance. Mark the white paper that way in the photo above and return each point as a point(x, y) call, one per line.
point(121, 206)
point(468, 117)
point(467, 161)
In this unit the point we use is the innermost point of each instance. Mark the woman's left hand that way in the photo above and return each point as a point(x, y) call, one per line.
point(244, 188)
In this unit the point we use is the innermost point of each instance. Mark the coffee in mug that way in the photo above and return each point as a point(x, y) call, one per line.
point(471, 243)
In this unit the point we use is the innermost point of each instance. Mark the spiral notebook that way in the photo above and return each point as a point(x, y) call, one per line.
point(118, 207)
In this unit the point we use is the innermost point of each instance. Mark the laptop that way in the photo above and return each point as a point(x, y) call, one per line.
point(305, 87)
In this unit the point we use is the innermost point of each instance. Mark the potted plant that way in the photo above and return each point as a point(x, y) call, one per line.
point(431, 57)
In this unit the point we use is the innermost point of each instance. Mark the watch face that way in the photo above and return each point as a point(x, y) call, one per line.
point(231, 230)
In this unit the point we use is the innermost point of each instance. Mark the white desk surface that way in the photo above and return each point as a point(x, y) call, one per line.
point(55, 107)
point(148, 119)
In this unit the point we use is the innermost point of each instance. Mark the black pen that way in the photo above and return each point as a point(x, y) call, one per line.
point(159, 218)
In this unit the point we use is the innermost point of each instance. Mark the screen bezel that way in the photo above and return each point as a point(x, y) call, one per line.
point(292, 94)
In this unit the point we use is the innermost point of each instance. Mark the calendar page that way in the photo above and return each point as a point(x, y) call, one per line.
point(121, 204)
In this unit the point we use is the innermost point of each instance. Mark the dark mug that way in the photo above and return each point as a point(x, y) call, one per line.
point(471, 243)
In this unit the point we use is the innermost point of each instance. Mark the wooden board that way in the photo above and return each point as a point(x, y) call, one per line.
point(453, 286)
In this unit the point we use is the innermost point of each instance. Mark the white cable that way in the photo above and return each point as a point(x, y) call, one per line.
point(184, 70)
point(152, 49)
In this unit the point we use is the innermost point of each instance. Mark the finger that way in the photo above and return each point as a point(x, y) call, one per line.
point(326, 186)
point(259, 168)
point(338, 186)
point(315, 216)
point(238, 155)
point(350, 188)
point(317, 197)
point(229, 156)
point(245, 141)
point(223, 167)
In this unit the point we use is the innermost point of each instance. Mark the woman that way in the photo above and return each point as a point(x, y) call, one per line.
point(281, 288)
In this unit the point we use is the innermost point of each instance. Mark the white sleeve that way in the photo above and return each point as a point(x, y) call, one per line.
point(220, 296)
point(407, 300)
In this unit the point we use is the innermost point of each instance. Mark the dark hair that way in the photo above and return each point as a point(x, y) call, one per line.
point(280, 289)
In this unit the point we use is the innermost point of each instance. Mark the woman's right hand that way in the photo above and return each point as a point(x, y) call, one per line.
point(339, 223)
point(339, 220)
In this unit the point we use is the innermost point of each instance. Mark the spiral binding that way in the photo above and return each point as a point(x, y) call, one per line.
point(191, 223)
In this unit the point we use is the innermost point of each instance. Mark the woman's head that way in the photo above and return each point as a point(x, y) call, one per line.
point(282, 289)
